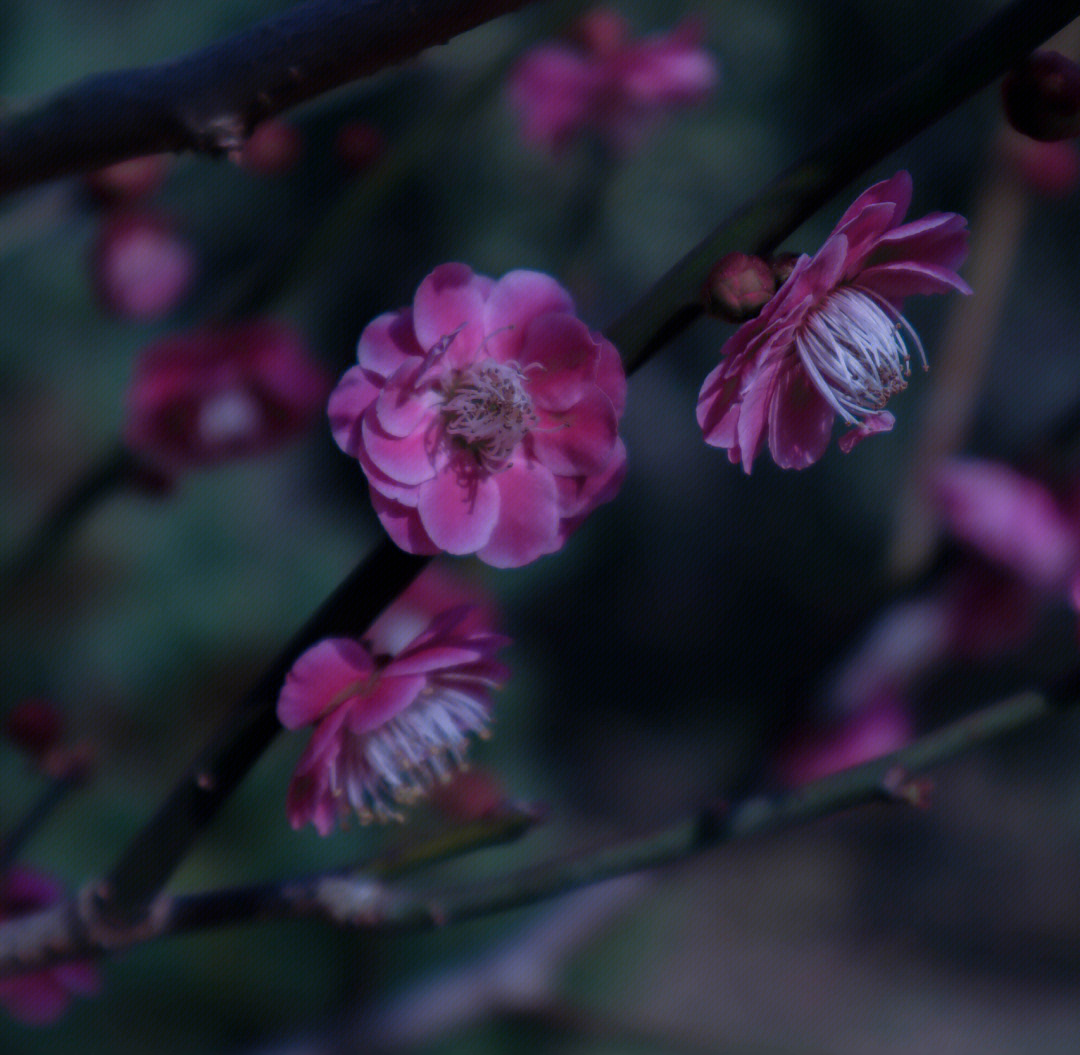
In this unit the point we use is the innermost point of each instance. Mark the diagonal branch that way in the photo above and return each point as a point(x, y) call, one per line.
point(210, 100)
point(366, 900)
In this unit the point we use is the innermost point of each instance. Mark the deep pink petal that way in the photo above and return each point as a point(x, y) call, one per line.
point(390, 695)
point(317, 677)
point(894, 282)
point(863, 232)
point(939, 239)
point(528, 522)
point(451, 301)
point(800, 421)
point(402, 523)
point(611, 376)
point(755, 407)
point(459, 514)
point(435, 657)
point(718, 406)
point(559, 358)
point(409, 460)
point(579, 495)
point(387, 342)
point(353, 395)
point(897, 190)
point(580, 441)
point(869, 426)
point(402, 404)
point(515, 301)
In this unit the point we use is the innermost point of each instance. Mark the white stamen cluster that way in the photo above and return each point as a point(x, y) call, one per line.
point(488, 408)
point(854, 351)
point(423, 745)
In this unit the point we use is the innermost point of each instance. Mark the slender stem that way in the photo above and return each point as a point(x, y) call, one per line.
point(210, 99)
point(656, 318)
point(364, 900)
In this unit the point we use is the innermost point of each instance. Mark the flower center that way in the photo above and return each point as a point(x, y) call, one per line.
point(487, 407)
point(854, 350)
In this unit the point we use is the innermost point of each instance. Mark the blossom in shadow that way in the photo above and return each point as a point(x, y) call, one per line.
point(222, 392)
point(485, 416)
point(42, 996)
point(608, 82)
point(393, 712)
point(833, 341)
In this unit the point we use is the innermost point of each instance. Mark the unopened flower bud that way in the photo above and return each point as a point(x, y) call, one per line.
point(34, 726)
point(738, 287)
point(782, 265)
point(359, 145)
point(1041, 97)
point(128, 181)
point(274, 147)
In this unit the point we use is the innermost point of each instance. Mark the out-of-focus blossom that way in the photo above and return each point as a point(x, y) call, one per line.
point(469, 795)
point(1048, 169)
point(608, 83)
point(34, 726)
point(1041, 96)
point(485, 417)
point(738, 287)
point(42, 997)
point(128, 181)
point(224, 392)
point(272, 148)
point(1011, 519)
point(391, 717)
point(880, 727)
point(832, 340)
point(359, 145)
point(140, 266)
point(988, 610)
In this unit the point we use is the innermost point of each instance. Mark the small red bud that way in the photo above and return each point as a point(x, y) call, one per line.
point(34, 726)
point(274, 147)
point(128, 181)
point(359, 145)
point(738, 287)
point(1041, 97)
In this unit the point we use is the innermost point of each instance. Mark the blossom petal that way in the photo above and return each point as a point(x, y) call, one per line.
point(896, 190)
point(579, 495)
point(459, 515)
point(939, 238)
point(896, 281)
point(400, 407)
point(800, 421)
point(611, 376)
point(450, 300)
point(528, 524)
point(580, 441)
point(402, 523)
point(563, 357)
point(515, 301)
point(390, 695)
point(405, 459)
point(387, 342)
point(317, 677)
point(869, 426)
point(435, 657)
point(353, 395)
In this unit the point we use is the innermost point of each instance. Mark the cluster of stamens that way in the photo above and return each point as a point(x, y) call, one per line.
point(853, 349)
point(488, 409)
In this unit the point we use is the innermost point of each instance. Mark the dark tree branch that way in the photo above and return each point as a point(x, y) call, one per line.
point(210, 100)
point(365, 899)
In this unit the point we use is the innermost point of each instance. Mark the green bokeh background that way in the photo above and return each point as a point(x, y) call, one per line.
point(681, 635)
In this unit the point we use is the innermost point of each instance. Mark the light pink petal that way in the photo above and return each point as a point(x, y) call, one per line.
point(451, 301)
point(353, 395)
point(387, 342)
point(390, 695)
point(459, 514)
point(515, 300)
point(402, 523)
point(579, 442)
point(800, 421)
point(528, 522)
point(896, 190)
point(611, 376)
point(896, 281)
point(579, 495)
point(317, 677)
point(869, 426)
point(559, 358)
point(401, 406)
point(408, 460)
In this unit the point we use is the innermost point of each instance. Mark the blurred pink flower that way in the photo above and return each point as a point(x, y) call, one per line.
point(272, 148)
point(485, 416)
point(1010, 519)
point(140, 266)
point(128, 181)
point(223, 392)
point(391, 718)
point(831, 341)
point(880, 727)
point(607, 82)
point(42, 997)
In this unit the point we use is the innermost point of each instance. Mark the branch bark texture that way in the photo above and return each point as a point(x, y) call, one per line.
point(210, 99)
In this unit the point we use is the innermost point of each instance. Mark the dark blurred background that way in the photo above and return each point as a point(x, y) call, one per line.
point(668, 655)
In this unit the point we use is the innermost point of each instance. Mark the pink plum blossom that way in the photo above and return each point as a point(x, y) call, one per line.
point(832, 340)
point(41, 997)
point(393, 712)
point(141, 267)
point(608, 83)
point(222, 392)
point(485, 416)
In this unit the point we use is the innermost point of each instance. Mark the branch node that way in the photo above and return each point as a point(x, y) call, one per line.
point(106, 934)
point(900, 786)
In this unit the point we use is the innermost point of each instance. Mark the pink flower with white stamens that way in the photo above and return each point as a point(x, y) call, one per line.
point(392, 717)
point(832, 342)
point(41, 997)
point(485, 416)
